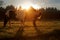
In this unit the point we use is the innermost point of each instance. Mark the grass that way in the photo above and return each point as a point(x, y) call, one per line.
point(29, 30)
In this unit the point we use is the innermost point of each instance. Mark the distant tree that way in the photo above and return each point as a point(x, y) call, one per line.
point(2, 12)
point(10, 7)
point(51, 13)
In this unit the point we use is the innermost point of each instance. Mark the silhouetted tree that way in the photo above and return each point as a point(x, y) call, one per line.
point(51, 14)
point(2, 12)
point(10, 7)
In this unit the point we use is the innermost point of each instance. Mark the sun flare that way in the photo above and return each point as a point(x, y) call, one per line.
point(25, 6)
point(28, 5)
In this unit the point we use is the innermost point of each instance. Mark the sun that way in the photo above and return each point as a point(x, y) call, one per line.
point(25, 6)
point(28, 5)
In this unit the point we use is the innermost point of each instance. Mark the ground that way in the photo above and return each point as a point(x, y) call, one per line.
point(29, 30)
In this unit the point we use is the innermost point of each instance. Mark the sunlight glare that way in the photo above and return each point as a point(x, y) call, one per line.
point(28, 5)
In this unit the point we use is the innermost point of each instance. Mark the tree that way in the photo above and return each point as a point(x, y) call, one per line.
point(51, 13)
point(10, 7)
point(2, 12)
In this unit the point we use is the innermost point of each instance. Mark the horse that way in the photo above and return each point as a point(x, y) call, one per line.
point(36, 14)
point(8, 16)
point(22, 16)
point(39, 14)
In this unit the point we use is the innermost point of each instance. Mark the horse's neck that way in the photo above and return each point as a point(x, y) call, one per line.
point(20, 15)
point(7, 13)
point(38, 14)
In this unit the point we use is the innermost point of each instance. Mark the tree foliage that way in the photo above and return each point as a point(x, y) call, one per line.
point(51, 14)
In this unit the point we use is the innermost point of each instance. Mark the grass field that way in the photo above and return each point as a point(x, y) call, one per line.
point(28, 29)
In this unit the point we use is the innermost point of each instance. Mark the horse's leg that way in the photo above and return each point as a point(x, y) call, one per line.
point(22, 25)
point(34, 23)
point(22, 22)
point(9, 23)
point(5, 22)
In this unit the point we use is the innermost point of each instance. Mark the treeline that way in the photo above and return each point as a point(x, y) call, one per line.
point(49, 13)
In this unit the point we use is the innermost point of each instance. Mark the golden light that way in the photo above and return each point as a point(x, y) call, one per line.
point(36, 6)
point(28, 5)
point(25, 6)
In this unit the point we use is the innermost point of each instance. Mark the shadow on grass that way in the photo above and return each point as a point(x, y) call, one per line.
point(53, 35)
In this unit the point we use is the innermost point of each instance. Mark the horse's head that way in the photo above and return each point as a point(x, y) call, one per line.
point(11, 14)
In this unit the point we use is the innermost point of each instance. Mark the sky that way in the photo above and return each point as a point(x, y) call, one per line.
point(40, 3)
